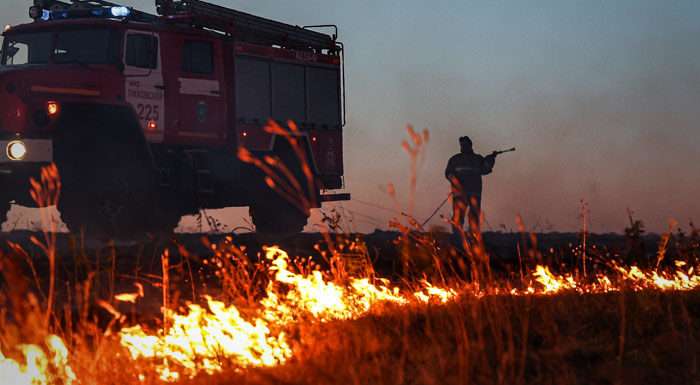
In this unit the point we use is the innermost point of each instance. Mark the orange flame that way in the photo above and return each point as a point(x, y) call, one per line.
point(634, 278)
point(131, 297)
point(39, 368)
point(198, 341)
point(206, 340)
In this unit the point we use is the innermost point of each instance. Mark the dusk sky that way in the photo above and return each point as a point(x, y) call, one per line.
point(601, 98)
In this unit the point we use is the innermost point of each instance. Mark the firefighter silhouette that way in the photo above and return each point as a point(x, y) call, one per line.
point(464, 171)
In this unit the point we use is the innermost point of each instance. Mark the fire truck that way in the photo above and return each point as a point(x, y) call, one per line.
point(144, 114)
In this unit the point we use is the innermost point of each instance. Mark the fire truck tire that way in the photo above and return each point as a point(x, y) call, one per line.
point(168, 213)
point(270, 212)
point(106, 171)
point(136, 220)
point(106, 214)
point(278, 217)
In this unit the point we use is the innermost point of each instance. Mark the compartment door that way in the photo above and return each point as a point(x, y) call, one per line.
point(202, 92)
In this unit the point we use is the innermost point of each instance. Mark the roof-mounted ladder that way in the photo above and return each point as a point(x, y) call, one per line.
point(245, 26)
point(241, 25)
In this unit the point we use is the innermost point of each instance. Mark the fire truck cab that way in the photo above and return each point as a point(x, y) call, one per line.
point(145, 115)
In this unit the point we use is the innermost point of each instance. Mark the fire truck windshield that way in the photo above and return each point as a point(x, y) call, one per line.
point(85, 46)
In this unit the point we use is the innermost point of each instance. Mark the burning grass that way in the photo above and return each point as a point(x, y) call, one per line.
point(301, 323)
point(234, 316)
point(562, 339)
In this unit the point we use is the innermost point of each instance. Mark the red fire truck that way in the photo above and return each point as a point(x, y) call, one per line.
point(144, 114)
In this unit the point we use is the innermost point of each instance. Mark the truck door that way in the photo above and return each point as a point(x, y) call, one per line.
point(144, 82)
point(202, 95)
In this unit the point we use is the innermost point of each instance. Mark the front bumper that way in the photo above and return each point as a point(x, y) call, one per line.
point(15, 174)
point(14, 181)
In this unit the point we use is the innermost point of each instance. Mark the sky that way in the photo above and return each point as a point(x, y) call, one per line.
point(600, 98)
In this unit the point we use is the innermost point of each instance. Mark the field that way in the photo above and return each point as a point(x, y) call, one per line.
point(408, 306)
point(385, 308)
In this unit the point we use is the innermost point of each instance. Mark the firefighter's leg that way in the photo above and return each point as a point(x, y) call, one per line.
point(459, 208)
point(474, 213)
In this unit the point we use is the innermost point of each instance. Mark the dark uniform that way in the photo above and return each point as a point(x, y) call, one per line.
point(464, 172)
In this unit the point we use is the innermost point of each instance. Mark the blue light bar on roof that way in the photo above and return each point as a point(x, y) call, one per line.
point(117, 12)
point(54, 15)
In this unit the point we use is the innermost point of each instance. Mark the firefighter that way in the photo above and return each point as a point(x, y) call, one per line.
point(464, 171)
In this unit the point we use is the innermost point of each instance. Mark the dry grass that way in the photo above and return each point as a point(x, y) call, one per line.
point(620, 338)
point(624, 337)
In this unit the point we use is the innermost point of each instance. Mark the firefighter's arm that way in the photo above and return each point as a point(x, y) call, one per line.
point(450, 170)
point(488, 163)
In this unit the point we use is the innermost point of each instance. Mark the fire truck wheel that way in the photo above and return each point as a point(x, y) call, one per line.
point(168, 213)
point(117, 210)
point(278, 217)
point(270, 212)
point(107, 179)
point(127, 206)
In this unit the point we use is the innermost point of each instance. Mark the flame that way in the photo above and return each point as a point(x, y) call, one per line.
point(211, 338)
point(196, 342)
point(432, 293)
point(634, 278)
point(313, 295)
point(131, 297)
point(207, 340)
point(680, 279)
point(38, 368)
point(551, 282)
point(127, 297)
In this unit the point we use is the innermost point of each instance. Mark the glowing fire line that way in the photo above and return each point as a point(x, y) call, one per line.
point(196, 342)
point(208, 339)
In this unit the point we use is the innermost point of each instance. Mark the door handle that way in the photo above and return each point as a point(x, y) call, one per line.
point(215, 92)
point(159, 86)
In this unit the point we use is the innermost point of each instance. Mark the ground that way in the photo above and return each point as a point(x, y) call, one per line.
point(648, 338)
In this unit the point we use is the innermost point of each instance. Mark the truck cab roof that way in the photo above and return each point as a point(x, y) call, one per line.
point(108, 23)
point(187, 17)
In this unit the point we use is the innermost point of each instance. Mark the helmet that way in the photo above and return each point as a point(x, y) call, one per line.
point(465, 141)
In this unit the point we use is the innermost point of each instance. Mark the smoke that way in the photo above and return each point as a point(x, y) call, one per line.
point(600, 98)
point(627, 140)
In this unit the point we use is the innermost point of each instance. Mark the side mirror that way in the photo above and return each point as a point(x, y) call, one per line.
point(120, 66)
point(11, 52)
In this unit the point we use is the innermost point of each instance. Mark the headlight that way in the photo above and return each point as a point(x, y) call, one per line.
point(16, 150)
